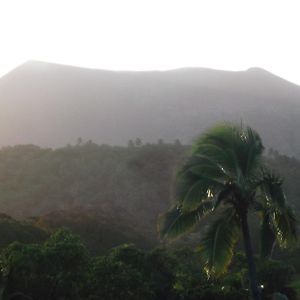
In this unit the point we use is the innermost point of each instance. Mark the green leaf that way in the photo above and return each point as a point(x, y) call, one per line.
point(285, 224)
point(271, 186)
point(236, 148)
point(217, 245)
point(281, 219)
point(176, 222)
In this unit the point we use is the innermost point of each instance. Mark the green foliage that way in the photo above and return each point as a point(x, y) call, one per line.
point(225, 173)
point(175, 223)
point(274, 276)
point(114, 280)
point(278, 219)
point(62, 269)
point(53, 270)
point(96, 190)
point(93, 190)
point(216, 248)
point(23, 231)
point(193, 284)
point(111, 195)
point(129, 273)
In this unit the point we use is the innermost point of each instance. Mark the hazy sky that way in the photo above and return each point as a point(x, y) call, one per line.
point(150, 34)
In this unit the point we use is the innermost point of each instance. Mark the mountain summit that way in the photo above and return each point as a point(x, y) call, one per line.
point(52, 105)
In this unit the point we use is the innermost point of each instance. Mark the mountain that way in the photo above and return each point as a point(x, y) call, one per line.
point(52, 105)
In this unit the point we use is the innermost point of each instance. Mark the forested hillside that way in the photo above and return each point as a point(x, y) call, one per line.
point(108, 195)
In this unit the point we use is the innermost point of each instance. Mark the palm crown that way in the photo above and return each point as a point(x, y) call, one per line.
point(225, 174)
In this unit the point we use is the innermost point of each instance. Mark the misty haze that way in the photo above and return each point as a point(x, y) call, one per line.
point(97, 151)
point(149, 150)
point(53, 105)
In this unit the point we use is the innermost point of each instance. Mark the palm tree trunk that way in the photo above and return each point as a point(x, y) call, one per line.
point(250, 258)
point(272, 250)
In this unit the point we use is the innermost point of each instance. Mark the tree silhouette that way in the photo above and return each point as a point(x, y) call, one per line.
point(138, 142)
point(160, 142)
point(177, 142)
point(130, 144)
point(225, 175)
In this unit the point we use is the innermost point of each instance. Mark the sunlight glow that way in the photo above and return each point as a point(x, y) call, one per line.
point(157, 34)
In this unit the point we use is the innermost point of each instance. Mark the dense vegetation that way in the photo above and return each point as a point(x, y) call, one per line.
point(110, 196)
point(100, 189)
point(62, 268)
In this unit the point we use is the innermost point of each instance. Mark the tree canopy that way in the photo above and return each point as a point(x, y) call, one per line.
point(225, 174)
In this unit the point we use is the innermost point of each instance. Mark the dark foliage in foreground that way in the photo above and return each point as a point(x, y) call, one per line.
point(62, 268)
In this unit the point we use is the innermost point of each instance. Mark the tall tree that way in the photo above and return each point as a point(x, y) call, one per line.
point(225, 175)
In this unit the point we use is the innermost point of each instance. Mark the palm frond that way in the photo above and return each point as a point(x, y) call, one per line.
point(198, 181)
point(236, 148)
point(217, 245)
point(195, 195)
point(271, 186)
point(285, 225)
point(176, 222)
point(204, 166)
point(253, 147)
point(218, 144)
point(278, 221)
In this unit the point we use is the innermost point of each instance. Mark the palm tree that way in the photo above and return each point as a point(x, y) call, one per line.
point(278, 222)
point(225, 175)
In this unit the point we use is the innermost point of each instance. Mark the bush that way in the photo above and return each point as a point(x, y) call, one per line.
point(275, 277)
point(53, 270)
point(113, 280)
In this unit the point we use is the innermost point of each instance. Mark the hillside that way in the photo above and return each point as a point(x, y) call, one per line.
point(52, 105)
point(108, 195)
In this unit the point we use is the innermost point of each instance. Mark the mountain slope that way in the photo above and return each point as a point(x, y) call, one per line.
point(52, 105)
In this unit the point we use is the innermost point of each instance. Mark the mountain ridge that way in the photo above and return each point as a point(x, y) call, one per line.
point(52, 105)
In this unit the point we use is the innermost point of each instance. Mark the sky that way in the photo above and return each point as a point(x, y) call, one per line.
point(153, 34)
